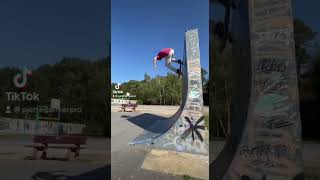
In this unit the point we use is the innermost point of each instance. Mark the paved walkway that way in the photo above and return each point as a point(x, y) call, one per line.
point(155, 109)
point(127, 160)
point(93, 163)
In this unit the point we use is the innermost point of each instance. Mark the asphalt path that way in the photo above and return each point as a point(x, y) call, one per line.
point(126, 160)
point(93, 163)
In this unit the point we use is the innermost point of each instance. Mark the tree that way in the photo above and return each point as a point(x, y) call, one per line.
point(303, 36)
point(78, 83)
point(204, 73)
point(316, 75)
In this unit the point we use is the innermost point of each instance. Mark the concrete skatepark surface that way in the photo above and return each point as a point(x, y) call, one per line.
point(41, 170)
point(93, 163)
point(126, 161)
point(164, 110)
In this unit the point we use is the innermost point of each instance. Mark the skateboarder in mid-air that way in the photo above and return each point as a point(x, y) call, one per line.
point(168, 54)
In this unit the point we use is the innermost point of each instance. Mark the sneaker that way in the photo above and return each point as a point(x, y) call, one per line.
point(179, 73)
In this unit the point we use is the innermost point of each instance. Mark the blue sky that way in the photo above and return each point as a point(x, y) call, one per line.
point(140, 28)
point(37, 32)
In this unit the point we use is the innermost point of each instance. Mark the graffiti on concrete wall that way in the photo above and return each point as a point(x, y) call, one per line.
point(193, 128)
point(22, 126)
point(271, 144)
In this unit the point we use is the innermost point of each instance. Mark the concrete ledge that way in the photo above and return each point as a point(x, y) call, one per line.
point(177, 163)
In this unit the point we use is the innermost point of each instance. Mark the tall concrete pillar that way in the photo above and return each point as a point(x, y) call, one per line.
point(265, 143)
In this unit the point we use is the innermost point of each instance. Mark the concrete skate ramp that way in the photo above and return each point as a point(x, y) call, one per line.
point(184, 131)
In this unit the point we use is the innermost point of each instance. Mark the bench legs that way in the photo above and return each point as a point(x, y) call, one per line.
point(36, 150)
point(35, 153)
point(68, 154)
point(73, 152)
point(44, 154)
point(77, 153)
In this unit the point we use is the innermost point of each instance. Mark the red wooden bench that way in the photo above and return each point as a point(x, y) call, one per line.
point(70, 142)
point(124, 107)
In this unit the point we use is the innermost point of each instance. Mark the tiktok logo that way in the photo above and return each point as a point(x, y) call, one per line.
point(20, 80)
point(117, 87)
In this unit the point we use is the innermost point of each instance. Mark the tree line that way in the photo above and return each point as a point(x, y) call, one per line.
point(78, 83)
point(160, 90)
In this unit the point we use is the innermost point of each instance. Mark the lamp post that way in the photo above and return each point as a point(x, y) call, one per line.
point(128, 95)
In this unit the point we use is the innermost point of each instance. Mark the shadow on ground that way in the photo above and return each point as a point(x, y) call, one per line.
point(151, 122)
point(48, 158)
point(126, 116)
point(102, 173)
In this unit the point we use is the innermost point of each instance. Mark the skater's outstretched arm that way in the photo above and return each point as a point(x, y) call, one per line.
point(155, 63)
